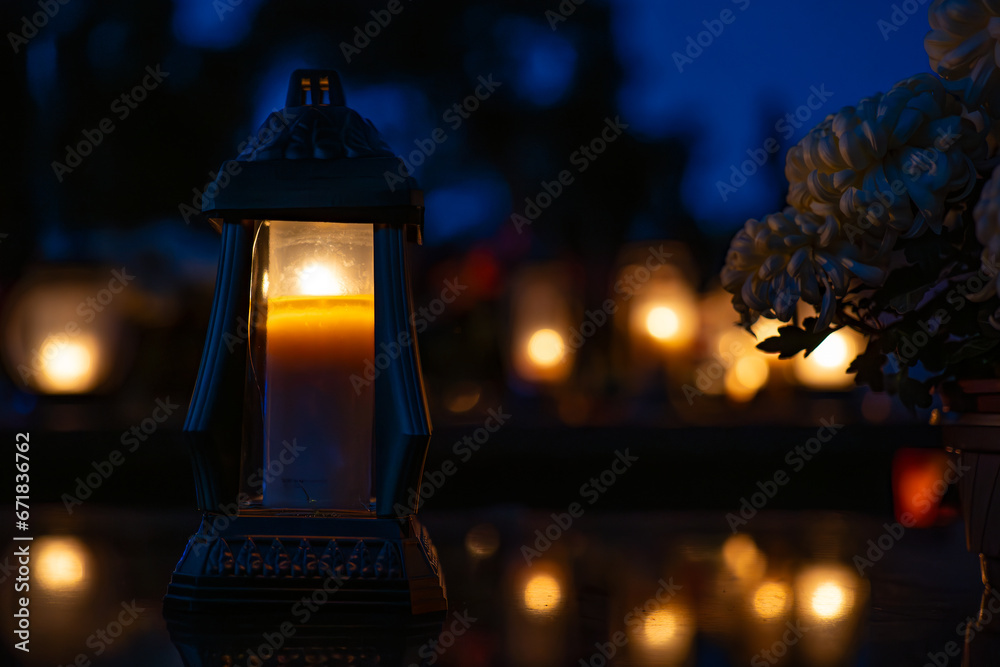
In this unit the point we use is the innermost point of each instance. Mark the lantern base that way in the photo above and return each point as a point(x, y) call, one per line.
point(369, 568)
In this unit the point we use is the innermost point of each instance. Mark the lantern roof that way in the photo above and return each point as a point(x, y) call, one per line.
point(316, 159)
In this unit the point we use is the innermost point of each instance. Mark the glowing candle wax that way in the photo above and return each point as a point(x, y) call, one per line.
point(314, 345)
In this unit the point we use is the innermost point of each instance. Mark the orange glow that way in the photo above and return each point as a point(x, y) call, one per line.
point(69, 364)
point(546, 348)
point(743, 558)
point(542, 595)
point(772, 600)
point(62, 564)
point(826, 367)
point(919, 481)
point(826, 593)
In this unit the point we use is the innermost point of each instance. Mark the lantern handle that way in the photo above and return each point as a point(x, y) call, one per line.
point(315, 87)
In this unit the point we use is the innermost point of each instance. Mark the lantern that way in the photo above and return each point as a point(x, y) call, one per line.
point(308, 424)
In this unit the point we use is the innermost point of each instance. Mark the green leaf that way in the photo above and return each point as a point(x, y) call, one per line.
point(907, 301)
point(971, 349)
point(914, 393)
point(791, 340)
point(867, 367)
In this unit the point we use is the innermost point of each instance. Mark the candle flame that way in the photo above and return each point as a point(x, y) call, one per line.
point(319, 280)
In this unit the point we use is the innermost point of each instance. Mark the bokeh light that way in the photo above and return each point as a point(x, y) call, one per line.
point(546, 348)
point(542, 594)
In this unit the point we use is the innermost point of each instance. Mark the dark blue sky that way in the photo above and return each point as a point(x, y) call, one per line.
point(766, 61)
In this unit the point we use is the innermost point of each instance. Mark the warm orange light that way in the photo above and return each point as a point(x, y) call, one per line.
point(317, 279)
point(746, 377)
point(665, 636)
point(68, 364)
point(826, 593)
point(62, 564)
point(546, 348)
point(743, 558)
point(919, 481)
point(660, 627)
point(771, 600)
point(542, 595)
point(663, 323)
point(826, 367)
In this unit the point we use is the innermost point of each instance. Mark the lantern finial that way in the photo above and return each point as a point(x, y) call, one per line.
point(315, 87)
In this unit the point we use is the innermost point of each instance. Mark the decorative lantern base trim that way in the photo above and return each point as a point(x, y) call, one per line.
point(292, 564)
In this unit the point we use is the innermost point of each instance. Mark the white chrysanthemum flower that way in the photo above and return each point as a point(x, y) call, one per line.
point(889, 167)
point(962, 47)
point(987, 216)
point(792, 255)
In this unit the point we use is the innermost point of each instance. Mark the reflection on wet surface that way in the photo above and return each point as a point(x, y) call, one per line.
point(670, 589)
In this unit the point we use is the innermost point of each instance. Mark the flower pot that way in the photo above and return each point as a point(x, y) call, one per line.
point(971, 429)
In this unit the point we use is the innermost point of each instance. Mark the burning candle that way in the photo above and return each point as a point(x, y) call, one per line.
point(320, 331)
point(314, 345)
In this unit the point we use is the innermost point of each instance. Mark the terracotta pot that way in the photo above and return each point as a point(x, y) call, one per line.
point(971, 429)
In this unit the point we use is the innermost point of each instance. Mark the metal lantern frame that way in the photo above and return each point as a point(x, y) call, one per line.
point(317, 161)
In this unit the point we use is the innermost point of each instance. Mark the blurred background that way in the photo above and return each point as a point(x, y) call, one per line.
point(695, 124)
point(578, 211)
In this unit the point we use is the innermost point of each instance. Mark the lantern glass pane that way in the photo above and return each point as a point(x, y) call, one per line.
point(312, 330)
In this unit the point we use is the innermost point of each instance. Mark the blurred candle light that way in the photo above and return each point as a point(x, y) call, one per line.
point(65, 332)
point(546, 348)
point(666, 314)
point(919, 483)
point(771, 600)
point(62, 564)
point(826, 367)
point(663, 323)
point(665, 636)
point(825, 593)
point(660, 306)
point(482, 541)
point(543, 330)
point(743, 559)
point(542, 595)
point(68, 365)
